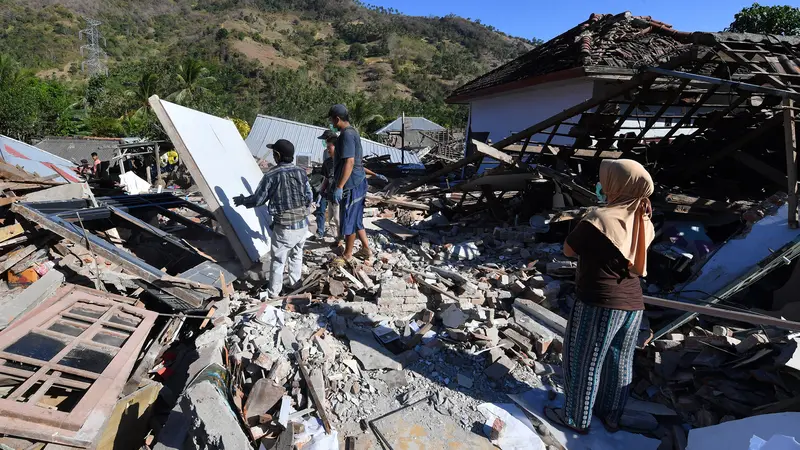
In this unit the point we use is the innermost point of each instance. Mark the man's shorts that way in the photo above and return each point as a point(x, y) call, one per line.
point(351, 209)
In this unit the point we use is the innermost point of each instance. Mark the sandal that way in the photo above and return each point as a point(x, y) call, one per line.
point(556, 416)
point(363, 253)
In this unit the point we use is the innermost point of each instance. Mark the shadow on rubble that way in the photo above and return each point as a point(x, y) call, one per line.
point(404, 360)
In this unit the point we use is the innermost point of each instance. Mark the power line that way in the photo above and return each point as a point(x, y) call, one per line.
point(94, 57)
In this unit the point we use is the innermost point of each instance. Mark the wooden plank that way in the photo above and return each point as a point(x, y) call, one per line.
point(5, 201)
point(790, 139)
point(318, 402)
point(11, 231)
point(15, 257)
point(552, 320)
point(494, 153)
point(395, 228)
point(753, 319)
point(398, 202)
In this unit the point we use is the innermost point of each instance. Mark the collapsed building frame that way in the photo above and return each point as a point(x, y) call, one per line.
point(712, 76)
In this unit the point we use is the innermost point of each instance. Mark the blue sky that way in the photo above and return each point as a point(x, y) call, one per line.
point(547, 19)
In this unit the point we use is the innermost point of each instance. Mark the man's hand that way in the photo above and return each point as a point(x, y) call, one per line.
point(381, 177)
point(337, 195)
point(238, 200)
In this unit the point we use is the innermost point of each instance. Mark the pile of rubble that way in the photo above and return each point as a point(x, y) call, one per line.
point(140, 320)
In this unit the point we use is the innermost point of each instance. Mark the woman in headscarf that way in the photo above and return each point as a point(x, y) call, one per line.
point(611, 243)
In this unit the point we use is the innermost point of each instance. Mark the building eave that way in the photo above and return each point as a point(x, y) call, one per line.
point(562, 75)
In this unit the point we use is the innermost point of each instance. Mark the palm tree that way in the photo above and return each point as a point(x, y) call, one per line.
point(145, 89)
point(192, 80)
point(364, 114)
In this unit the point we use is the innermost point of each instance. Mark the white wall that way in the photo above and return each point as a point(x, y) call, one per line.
point(505, 114)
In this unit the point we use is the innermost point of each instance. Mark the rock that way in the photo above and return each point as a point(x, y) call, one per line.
point(458, 335)
point(264, 361)
point(464, 381)
point(326, 348)
point(453, 317)
point(493, 355)
point(211, 337)
point(500, 368)
point(336, 288)
point(280, 371)
point(369, 352)
point(395, 379)
point(202, 419)
point(262, 397)
point(288, 340)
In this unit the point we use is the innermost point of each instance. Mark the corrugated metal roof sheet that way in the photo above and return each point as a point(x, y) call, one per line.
point(37, 161)
point(75, 150)
point(267, 130)
point(412, 124)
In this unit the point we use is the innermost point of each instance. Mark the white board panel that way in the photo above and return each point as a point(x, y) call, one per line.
point(223, 167)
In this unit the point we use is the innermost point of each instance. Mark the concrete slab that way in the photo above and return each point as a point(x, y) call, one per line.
point(369, 352)
point(421, 427)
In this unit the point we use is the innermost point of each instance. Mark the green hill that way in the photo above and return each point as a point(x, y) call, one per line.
point(291, 58)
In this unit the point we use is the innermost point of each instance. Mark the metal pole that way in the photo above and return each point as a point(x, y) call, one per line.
point(403, 138)
point(158, 164)
point(790, 136)
point(734, 84)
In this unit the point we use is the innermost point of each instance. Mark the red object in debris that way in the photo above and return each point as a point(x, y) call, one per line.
point(165, 372)
point(25, 278)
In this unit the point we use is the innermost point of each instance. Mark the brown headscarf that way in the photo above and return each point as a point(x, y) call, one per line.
point(625, 221)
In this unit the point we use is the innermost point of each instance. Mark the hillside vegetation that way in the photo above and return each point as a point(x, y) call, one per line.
point(236, 58)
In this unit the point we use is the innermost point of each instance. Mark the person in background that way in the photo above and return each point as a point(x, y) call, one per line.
point(611, 243)
point(350, 190)
point(286, 190)
point(96, 164)
point(328, 211)
point(85, 169)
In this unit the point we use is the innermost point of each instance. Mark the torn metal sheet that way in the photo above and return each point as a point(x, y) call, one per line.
point(37, 161)
point(223, 167)
point(740, 262)
point(68, 363)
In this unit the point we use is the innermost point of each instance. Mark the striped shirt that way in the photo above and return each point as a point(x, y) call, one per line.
point(287, 193)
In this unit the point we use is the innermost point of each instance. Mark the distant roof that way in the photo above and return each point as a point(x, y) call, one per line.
point(267, 130)
point(604, 40)
point(412, 124)
point(37, 161)
point(76, 149)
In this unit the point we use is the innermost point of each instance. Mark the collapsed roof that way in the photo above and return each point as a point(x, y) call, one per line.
point(605, 41)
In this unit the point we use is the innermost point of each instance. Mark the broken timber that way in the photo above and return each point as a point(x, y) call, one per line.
point(128, 262)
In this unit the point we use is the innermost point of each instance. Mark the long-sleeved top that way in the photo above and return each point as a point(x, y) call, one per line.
point(286, 190)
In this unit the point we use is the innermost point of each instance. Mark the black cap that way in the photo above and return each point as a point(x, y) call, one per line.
point(338, 111)
point(328, 134)
point(284, 147)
